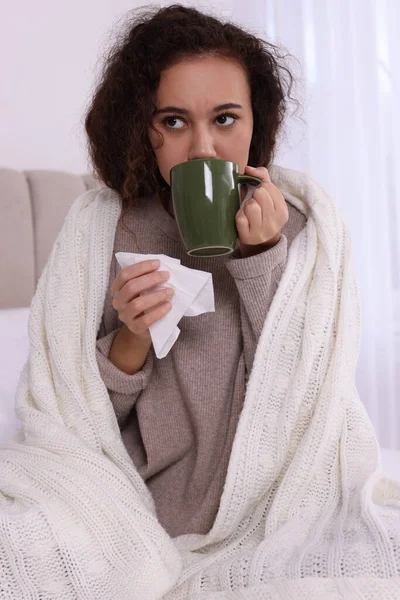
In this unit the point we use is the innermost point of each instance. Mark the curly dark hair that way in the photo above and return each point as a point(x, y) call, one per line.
point(121, 110)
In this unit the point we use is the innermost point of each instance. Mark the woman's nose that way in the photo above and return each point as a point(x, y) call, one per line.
point(202, 146)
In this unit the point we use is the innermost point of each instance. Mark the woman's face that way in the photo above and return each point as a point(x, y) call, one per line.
point(191, 116)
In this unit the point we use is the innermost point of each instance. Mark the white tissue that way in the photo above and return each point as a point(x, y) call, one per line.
point(194, 295)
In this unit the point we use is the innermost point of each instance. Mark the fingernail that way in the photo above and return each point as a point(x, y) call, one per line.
point(155, 263)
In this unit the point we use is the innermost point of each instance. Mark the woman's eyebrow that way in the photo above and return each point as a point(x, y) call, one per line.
point(183, 111)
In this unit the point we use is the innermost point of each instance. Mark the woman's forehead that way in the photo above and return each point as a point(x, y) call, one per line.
point(216, 80)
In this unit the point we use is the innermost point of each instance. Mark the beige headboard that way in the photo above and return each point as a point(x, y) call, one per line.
point(33, 205)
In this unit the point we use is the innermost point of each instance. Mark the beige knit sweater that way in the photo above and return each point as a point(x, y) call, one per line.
point(178, 415)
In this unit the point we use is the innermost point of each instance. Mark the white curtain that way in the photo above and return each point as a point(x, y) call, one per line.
point(349, 52)
point(349, 141)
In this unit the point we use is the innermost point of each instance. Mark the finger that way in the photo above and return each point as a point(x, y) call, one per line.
point(261, 172)
point(133, 287)
point(242, 224)
point(277, 198)
point(135, 270)
point(266, 182)
point(253, 212)
point(141, 324)
point(265, 199)
point(144, 302)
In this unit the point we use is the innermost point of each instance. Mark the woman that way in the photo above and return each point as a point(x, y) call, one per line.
point(168, 78)
point(249, 437)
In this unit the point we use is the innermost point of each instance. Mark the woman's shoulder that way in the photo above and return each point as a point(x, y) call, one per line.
point(86, 202)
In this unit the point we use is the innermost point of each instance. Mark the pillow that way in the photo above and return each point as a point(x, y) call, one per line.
point(14, 350)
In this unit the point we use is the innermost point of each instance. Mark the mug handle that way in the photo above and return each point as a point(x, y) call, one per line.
point(248, 179)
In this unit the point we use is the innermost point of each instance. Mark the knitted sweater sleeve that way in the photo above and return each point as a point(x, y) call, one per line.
point(257, 278)
point(123, 389)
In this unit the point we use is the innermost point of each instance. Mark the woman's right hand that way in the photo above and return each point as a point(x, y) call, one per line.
point(132, 343)
point(130, 304)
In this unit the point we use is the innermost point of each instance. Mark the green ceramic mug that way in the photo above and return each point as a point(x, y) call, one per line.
point(206, 198)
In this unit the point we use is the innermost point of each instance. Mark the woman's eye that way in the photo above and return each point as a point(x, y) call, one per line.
point(177, 123)
point(172, 121)
point(226, 120)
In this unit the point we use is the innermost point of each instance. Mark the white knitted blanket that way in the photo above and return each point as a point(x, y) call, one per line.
point(305, 513)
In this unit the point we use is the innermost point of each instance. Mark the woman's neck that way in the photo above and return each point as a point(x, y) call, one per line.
point(166, 201)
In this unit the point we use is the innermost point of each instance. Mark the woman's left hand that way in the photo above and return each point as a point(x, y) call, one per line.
point(260, 221)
